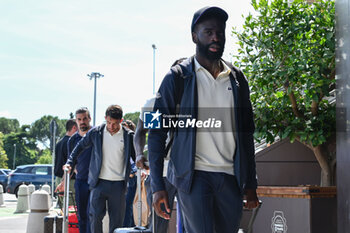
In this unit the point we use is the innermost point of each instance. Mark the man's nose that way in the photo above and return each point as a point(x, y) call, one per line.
point(217, 36)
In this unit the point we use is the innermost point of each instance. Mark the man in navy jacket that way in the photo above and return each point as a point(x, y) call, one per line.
point(112, 148)
point(212, 161)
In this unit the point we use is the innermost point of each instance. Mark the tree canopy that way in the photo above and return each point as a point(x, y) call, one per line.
point(134, 117)
point(287, 51)
point(8, 125)
point(26, 148)
point(3, 155)
point(40, 129)
point(45, 157)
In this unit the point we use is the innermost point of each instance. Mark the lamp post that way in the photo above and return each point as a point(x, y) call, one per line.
point(154, 67)
point(95, 75)
point(14, 156)
point(53, 131)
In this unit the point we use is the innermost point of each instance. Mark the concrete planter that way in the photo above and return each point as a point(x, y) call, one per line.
point(304, 209)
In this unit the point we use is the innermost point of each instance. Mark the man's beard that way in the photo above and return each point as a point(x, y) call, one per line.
point(205, 52)
point(83, 128)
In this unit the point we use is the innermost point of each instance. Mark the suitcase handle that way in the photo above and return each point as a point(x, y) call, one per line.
point(254, 213)
point(65, 201)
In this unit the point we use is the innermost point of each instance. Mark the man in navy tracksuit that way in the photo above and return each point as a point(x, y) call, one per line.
point(112, 147)
point(81, 186)
point(212, 162)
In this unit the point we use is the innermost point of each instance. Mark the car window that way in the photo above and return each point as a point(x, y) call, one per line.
point(40, 170)
point(2, 172)
point(7, 171)
point(23, 170)
point(26, 170)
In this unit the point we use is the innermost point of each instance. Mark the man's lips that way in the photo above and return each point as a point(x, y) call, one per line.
point(214, 48)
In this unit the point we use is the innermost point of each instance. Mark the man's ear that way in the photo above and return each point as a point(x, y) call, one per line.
point(194, 37)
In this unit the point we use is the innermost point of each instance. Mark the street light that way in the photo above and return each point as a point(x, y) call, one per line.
point(95, 75)
point(14, 157)
point(154, 67)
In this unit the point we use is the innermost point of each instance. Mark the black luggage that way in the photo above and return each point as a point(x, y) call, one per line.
point(138, 228)
point(53, 224)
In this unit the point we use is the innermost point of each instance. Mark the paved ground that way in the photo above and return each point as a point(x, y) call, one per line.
point(10, 222)
point(17, 223)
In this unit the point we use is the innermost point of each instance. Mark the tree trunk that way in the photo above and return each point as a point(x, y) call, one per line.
point(326, 171)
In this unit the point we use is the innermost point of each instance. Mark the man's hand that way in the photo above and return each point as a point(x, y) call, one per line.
point(159, 198)
point(252, 199)
point(60, 187)
point(141, 162)
point(67, 166)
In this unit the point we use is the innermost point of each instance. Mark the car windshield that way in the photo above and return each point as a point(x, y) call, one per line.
point(23, 170)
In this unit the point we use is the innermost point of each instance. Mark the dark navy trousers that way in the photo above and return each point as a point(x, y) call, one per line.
point(214, 203)
point(82, 193)
point(111, 193)
point(130, 196)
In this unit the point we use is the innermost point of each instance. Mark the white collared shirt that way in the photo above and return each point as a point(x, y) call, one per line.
point(215, 149)
point(113, 159)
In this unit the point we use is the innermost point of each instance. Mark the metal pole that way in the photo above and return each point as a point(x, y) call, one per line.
point(65, 201)
point(14, 157)
point(53, 159)
point(95, 75)
point(154, 67)
point(94, 122)
point(139, 202)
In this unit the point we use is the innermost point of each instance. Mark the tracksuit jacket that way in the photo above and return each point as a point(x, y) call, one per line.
point(181, 164)
point(94, 138)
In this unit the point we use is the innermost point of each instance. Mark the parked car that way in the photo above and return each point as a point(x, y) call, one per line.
point(3, 178)
point(37, 174)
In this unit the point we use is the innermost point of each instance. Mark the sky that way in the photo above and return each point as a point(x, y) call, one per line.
point(47, 48)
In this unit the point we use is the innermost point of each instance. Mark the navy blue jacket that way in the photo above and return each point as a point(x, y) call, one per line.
point(181, 164)
point(83, 160)
point(94, 139)
point(61, 155)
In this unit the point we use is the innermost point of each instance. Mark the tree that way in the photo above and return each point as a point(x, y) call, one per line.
point(3, 156)
point(45, 157)
point(40, 129)
point(287, 49)
point(8, 125)
point(26, 149)
point(134, 117)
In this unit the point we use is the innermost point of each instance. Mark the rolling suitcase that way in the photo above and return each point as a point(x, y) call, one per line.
point(248, 218)
point(53, 224)
point(73, 226)
point(138, 228)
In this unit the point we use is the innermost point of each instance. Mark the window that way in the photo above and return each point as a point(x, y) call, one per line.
point(40, 171)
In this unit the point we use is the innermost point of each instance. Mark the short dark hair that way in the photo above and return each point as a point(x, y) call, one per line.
point(83, 110)
point(114, 111)
point(69, 124)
